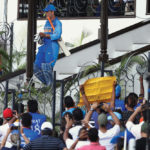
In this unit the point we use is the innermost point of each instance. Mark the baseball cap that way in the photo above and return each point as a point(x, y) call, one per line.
point(7, 113)
point(118, 115)
point(49, 7)
point(102, 119)
point(145, 127)
point(117, 90)
point(46, 125)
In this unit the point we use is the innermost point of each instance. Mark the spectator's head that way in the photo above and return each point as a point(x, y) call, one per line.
point(102, 120)
point(93, 135)
point(68, 102)
point(77, 114)
point(145, 111)
point(46, 128)
point(120, 143)
point(63, 121)
point(117, 91)
point(32, 106)
point(16, 107)
point(7, 114)
point(145, 128)
point(83, 134)
point(110, 119)
point(1, 121)
point(68, 114)
point(26, 120)
point(131, 100)
point(100, 109)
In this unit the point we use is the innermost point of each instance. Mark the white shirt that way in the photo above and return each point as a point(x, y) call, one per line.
point(135, 129)
point(105, 138)
point(3, 131)
point(69, 143)
point(74, 131)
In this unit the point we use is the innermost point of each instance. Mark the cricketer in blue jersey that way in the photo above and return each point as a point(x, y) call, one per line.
point(48, 52)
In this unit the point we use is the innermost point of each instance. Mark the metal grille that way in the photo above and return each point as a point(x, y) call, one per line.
point(78, 8)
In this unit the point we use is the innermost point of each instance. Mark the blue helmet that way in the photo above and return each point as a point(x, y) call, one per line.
point(49, 7)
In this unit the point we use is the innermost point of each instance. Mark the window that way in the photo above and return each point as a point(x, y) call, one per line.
point(78, 8)
point(148, 7)
point(23, 9)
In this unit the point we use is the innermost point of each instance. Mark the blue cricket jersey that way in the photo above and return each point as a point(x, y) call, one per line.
point(37, 121)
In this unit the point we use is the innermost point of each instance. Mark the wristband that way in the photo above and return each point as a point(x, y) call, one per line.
point(23, 134)
point(91, 109)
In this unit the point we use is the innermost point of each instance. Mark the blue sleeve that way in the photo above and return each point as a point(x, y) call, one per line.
point(84, 113)
point(58, 31)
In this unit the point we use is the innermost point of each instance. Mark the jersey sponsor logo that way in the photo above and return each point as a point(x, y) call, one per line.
point(47, 30)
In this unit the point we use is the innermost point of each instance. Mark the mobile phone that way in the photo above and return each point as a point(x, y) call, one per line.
point(14, 128)
point(14, 113)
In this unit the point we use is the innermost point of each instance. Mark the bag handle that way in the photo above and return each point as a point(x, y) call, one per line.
point(51, 23)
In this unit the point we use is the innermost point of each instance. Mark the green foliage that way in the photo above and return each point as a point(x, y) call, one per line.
point(79, 41)
point(17, 58)
point(5, 59)
point(127, 65)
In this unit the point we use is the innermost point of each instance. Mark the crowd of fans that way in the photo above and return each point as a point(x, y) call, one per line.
point(100, 126)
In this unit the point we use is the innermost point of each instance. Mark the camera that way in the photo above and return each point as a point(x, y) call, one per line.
point(100, 105)
point(14, 113)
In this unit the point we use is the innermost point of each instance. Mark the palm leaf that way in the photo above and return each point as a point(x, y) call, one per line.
point(4, 54)
point(126, 65)
point(5, 59)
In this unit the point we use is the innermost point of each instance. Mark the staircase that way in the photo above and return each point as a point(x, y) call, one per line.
point(128, 40)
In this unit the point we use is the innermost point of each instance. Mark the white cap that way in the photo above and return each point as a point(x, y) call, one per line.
point(47, 125)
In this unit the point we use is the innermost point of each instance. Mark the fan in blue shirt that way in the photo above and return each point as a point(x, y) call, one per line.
point(37, 118)
point(26, 119)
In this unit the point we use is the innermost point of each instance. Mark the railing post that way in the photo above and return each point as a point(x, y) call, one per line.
point(54, 99)
point(103, 57)
point(148, 102)
point(13, 91)
point(61, 98)
point(6, 95)
point(30, 38)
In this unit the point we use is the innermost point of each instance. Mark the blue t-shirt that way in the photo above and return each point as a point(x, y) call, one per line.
point(138, 104)
point(37, 121)
point(31, 135)
point(95, 118)
point(115, 139)
point(119, 104)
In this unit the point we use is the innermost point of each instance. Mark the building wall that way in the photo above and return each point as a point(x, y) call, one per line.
point(72, 29)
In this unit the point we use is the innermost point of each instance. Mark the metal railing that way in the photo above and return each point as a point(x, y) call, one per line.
point(79, 8)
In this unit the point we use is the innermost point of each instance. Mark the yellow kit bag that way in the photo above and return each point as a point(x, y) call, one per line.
point(98, 89)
